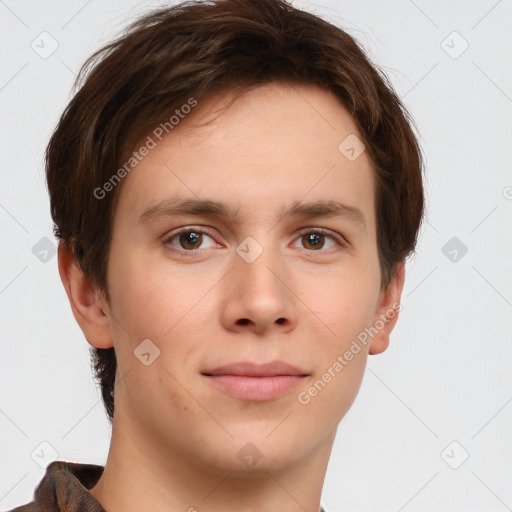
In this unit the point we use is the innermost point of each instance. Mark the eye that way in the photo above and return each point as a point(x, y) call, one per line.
point(314, 239)
point(189, 239)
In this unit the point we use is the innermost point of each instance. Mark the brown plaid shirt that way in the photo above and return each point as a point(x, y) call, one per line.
point(64, 488)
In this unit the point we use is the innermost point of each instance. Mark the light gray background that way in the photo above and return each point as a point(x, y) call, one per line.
point(446, 375)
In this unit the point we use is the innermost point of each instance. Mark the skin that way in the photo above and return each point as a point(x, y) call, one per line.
point(175, 437)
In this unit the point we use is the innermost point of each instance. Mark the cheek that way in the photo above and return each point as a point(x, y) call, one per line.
point(151, 297)
point(343, 302)
point(171, 310)
point(345, 307)
point(342, 355)
point(329, 396)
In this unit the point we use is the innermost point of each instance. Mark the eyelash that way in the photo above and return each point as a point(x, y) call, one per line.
point(340, 241)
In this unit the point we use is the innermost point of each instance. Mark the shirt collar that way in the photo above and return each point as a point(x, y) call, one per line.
point(65, 488)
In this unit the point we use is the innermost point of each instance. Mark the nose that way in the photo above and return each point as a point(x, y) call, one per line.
point(259, 292)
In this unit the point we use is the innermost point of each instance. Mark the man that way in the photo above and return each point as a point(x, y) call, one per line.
point(235, 188)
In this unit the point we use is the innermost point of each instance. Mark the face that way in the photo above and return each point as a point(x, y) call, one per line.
point(249, 284)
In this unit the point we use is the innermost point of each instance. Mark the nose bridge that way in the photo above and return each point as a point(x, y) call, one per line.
point(259, 261)
point(258, 251)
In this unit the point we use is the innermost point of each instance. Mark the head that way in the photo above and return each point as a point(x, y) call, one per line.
point(261, 107)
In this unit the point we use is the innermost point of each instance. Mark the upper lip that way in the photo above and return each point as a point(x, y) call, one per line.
point(251, 369)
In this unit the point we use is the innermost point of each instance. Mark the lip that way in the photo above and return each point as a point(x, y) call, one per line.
point(250, 369)
point(256, 382)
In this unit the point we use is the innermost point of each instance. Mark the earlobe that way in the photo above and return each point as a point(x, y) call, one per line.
point(88, 309)
point(387, 312)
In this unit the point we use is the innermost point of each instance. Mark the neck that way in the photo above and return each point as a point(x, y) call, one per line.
point(141, 472)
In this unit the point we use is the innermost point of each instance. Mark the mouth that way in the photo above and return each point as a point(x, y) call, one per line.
point(256, 382)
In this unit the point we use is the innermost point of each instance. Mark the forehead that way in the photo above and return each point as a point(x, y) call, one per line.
point(278, 143)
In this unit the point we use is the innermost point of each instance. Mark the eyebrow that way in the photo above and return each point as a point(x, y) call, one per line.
point(208, 207)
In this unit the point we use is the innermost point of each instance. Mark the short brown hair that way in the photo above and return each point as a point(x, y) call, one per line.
point(197, 49)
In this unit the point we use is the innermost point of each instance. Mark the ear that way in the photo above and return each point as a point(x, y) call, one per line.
point(387, 311)
point(87, 304)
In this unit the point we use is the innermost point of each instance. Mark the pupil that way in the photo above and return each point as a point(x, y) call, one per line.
point(314, 239)
point(191, 237)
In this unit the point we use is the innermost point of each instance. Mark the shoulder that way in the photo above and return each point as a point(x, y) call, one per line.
point(64, 488)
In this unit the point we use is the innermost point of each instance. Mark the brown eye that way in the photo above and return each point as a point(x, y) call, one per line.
point(190, 238)
point(315, 239)
point(187, 240)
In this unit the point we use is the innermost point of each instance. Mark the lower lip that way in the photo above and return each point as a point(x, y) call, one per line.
point(256, 388)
